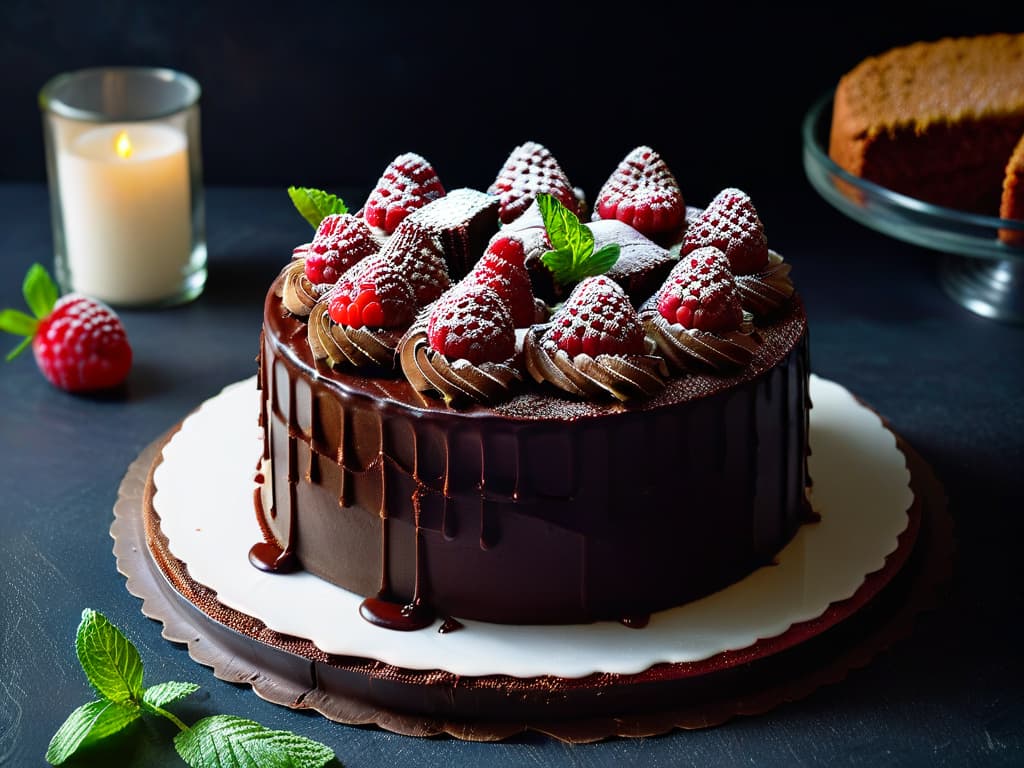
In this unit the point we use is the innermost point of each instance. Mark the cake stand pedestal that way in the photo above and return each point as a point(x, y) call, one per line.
point(294, 672)
point(989, 288)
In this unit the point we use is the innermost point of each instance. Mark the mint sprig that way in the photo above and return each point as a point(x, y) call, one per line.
point(572, 257)
point(114, 668)
point(40, 294)
point(225, 740)
point(315, 205)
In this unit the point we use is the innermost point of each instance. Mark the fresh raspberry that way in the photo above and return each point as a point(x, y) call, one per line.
point(596, 319)
point(501, 268)
point(373, 293)
point(643, 193)
point(409, 182)
point(471, 322)
point(418, 254)
point(78, 342)
point(340, 241)
point(700, 292)
point(529, 170)
point(730, 223)
point(508, 248)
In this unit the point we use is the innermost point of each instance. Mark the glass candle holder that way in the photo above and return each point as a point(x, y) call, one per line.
point(125, 176)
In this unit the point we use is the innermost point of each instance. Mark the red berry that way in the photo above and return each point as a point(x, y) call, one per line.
point(78, 342)
point(373, 293)
point(341, 240)
point(417, 253)
point(643, 193)
point(508, 248)
point(529, 170)
point(596, 319)
point(409, 182)
point(700, 292)
point(471, 322)
point(81, 345)
point(501, 268)
point(730, 223)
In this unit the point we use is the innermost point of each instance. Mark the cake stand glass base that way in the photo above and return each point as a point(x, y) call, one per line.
point(990, 288)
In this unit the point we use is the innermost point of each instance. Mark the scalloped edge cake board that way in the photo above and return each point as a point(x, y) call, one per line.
point(774, 610)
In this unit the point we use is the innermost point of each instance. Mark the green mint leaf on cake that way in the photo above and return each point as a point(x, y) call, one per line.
point(87, 725)
point(109, 659)
point(315, 205)
point(572, 256)
point(224, 741)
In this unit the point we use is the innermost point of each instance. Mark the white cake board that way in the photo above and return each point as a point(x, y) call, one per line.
point(204, 499)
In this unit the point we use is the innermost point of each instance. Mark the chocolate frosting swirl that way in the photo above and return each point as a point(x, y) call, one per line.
point(457, 381)
point(621, 376)
point(767, 291)
point(341, 346)
point(691, 349)
point(298, 292)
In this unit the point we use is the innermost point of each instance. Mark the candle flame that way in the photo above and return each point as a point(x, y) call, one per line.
point(123, 145)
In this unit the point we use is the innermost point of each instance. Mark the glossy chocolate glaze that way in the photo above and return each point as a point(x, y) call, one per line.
point(541, 509)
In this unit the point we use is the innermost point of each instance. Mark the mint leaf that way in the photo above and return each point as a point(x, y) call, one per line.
point(315, 204)
point(39, 290)
point(161, 694)
point(559, 262)
point(604, 259)
point(572, 257)
point(17, 322)
point(86, 725)
point(109, 659)
point(224, 741)
point(563, 226)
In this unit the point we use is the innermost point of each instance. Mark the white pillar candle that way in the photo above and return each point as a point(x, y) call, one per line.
point(127, 214)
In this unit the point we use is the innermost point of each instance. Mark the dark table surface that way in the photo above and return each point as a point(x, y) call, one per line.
point(948, 381)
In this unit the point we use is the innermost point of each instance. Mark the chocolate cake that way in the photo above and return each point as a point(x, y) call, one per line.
point(445, 439)
point(937, 121)
point(1012, 202)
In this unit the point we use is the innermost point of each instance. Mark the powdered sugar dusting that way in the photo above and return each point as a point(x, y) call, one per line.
point(471, 321)
point(530, 170)
point(416, 251)
point(731, 224)
point(409, 182)
point(643, 192)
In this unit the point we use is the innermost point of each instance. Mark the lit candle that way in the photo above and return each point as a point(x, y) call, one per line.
point(125, 203)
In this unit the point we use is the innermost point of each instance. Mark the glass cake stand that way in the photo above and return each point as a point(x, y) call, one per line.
point(977, 269)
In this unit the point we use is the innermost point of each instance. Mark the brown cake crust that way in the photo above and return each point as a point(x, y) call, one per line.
point(934, 120)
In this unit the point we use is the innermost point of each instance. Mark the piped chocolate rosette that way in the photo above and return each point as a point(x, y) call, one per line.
point(594, 346)
point(696, 318)
point(731, 224)
point(463, 347)
point(360, 321)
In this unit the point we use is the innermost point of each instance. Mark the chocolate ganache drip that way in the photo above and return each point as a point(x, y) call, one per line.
point(767, 291)
point(457, 381)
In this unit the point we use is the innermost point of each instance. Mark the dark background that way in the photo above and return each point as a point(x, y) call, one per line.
point(327, 93)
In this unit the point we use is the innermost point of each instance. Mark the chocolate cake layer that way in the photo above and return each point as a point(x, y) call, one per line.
point(541, 509)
